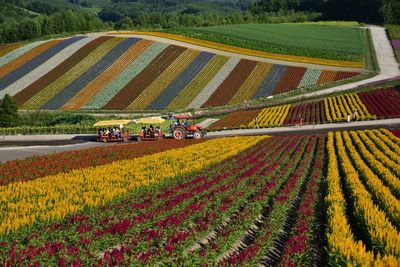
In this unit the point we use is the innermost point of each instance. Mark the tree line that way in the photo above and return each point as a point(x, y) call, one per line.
point(17, 23)
point(32, 19)
point(370, 11)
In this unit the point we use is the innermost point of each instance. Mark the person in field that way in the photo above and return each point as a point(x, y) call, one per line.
point(355, 115)
point(256, 123)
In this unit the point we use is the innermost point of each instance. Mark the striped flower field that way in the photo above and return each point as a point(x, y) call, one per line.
point(381, 103)
point(118, 73)
point(314, 200)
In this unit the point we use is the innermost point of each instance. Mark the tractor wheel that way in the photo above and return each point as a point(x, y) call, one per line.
point(179, 134)
point(197, 135)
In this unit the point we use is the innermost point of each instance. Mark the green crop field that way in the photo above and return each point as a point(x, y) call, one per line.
point(321, 41)
point(394, 31)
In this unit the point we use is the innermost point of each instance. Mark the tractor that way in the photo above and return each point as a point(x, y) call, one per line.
point(181, 130)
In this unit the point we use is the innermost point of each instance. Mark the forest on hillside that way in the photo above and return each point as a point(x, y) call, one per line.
point(32, 19)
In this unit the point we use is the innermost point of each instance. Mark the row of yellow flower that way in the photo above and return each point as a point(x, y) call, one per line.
point(340, 238)
point(274, 116)
point(392, 141)
point(339, 107)
point(250, 52)
point(382, 193)
point(55, 197)
point(382, 233)
point(382, 144)
point(378, 160)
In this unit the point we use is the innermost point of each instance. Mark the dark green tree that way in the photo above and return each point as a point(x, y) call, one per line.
point(8, 112)
point(391, 11)
point(125, 23)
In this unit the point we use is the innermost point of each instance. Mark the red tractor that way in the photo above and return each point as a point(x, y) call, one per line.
point(181, 130)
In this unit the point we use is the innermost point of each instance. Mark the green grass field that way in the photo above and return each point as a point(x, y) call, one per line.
point(320, 41)
point(394, 31)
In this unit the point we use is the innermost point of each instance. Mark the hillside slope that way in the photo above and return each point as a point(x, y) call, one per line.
point(116, 73)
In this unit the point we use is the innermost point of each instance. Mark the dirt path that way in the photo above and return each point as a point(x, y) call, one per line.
point(12, 153)
point(207, 122)
point(230, 54)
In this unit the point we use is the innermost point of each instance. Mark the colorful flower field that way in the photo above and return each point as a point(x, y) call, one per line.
point(118, 73)
point(376, 104)
point(241, 201)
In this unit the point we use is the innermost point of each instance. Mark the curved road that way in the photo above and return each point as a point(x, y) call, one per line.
point(11, 153)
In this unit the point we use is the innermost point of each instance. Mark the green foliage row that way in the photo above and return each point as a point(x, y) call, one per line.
point(60, 129)
point(46, 118)
point(69, 129)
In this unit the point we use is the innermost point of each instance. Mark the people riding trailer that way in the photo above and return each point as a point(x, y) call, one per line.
point(112, 130)
point(150, 133)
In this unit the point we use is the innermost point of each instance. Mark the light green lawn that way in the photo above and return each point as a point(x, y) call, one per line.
point(303, 39)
